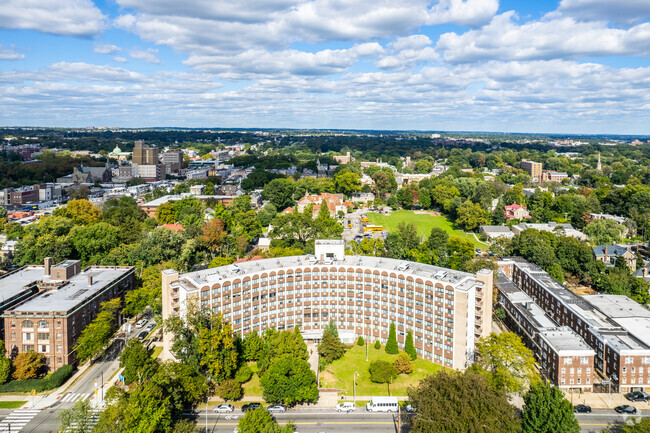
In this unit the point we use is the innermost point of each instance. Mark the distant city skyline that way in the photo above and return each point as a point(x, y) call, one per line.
point(567, 67)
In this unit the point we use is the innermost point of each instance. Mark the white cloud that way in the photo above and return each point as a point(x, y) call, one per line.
point(150, 55)
point(251, 63)
point(621, 12)
point(60, 17)
point(562, 38)
point(10, 54)
point(120, 59)
point(463, 12)
point(406, 52)
point(106, 48)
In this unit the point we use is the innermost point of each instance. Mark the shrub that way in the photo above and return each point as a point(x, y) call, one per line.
point(55, 380)
point(403, 364)
point(244, 374)
point(360, 341)
point(409, 347)
point(377, 345)
point(382, 371)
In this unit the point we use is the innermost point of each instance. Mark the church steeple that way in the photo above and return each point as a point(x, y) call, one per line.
point(599, 166)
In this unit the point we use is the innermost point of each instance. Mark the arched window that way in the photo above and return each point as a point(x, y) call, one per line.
point(27, 324)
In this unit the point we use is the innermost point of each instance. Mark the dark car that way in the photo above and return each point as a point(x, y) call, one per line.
point(625, 409)
point(277, 408)
point(250, 406)
point(636, 396)
point(142, 335)
point(582, 408)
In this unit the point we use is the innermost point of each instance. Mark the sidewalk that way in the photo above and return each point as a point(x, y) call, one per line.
point(603, 400)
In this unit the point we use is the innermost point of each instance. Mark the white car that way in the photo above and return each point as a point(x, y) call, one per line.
point(140, 323)
point(344, 407)
point(224, 408)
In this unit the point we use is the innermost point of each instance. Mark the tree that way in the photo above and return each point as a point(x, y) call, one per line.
point(244, 374)
point(279, 193)
point(451, 402)
point(547, 411)
point(423, 166)
point(261, 421)
point(253, 345)
point(209, 189)
point(266, 214)
point(230, 389)
point(28, 365)
point(409, 347)
point(508, 360)
point(360, 341)
point(382, 371)
point(93, 241)
point(330, 348)
point(403, 240)
point(137, 362)
point(403, 364)
point(216, 344)
point(604, 231)
point(377, 345)
point(470, 215)
point(331, 329)
point(5, 364)
point(80, 212)
point(347, 182)
point(391, 345)
point(78, 419)
point(97, 334)
point(289, 381)
point(638, 426)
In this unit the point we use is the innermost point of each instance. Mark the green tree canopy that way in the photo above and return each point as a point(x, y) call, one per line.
point(261, 421)
point(547, 411)
point(391, 344)
point(289, 381)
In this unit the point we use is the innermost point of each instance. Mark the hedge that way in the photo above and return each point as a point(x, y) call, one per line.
point(55, 380)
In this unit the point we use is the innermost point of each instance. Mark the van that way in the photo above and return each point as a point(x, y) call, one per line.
point(347, 406)
point(382, 404)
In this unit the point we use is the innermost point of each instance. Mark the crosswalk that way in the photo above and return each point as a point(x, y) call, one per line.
point(94, 419)
point(16, 420)
point(74, 396)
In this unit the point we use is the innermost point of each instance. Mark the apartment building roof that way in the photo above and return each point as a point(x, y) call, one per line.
point(565, 341)
point(460, 280)
point(69, 295)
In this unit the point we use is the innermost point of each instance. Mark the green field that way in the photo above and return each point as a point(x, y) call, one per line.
point(339, 373)
point(253, 387)
point(11, 404)
point(423, 222)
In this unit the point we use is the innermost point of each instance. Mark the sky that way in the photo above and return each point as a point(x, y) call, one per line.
point(564, 66)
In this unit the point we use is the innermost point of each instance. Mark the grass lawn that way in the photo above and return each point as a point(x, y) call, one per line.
point(156, 352)
point(253, 388)
point(424, 223)
point(339, 373)
point(11, 404)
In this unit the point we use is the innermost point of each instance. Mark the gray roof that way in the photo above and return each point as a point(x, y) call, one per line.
point(12, 284)
point(207, 277)
point(610, 250)
point(75, 292)
point(563, 339)
point(496, 229)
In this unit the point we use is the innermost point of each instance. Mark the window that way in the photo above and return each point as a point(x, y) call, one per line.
point(59, 348)
point(44, 348)
point(13, 335)
point(27, 324)
point(43, 336)
point(28, 336)
point(43, 324)
point(568, 360)
point(584, 360)
point(28, 347)
point(58, 335)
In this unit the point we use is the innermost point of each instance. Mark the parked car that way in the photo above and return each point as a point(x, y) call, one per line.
point(582, 408)
point(150, 327)
point(250, 406)
point(140, 323)
point(410, 409)
point(627, 409)
point(636, 396)
point(142, 335)
point(344, 407)
point(224, 408)
point(277, 408)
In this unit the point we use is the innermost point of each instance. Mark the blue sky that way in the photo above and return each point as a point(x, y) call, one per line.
point(565, 66)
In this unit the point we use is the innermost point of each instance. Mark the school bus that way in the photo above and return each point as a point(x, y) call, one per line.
point(373, 229)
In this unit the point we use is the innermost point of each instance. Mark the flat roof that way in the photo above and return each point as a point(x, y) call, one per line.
point(12, 284)
point(167, 198)
point(496, 229)
point(207, 277)
point(617, 306)
point(563, 339)
point(76, 291)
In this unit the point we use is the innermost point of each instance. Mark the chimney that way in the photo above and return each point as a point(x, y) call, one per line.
point(48, 265)
point(90, 280)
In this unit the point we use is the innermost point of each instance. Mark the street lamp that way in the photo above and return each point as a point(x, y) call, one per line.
point(354, 388)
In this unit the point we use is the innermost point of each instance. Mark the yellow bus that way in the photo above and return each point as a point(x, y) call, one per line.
point(373, 229)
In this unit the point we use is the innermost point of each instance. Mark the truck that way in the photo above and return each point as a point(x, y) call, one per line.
point(382, 404)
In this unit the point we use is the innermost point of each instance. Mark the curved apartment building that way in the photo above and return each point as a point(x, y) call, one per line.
point(447, 310)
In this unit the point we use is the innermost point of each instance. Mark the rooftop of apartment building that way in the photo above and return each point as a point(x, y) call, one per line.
point(563, 339)
point(60, 295)
point(461, 280)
